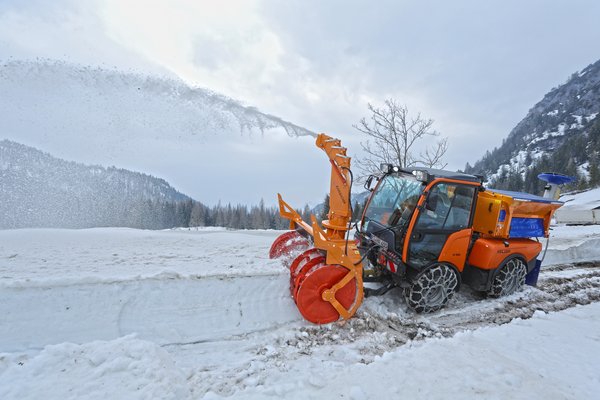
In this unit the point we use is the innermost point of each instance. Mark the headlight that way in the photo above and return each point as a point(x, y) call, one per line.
point(388, 168)
point(421, 176)
point(385, 168)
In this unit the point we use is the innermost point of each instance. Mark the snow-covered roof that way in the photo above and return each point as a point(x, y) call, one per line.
point(587, 200)
point(524, 196)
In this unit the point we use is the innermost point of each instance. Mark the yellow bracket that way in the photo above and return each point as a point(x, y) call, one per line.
point(287, 212)
point(347, 255)
point(333, 239)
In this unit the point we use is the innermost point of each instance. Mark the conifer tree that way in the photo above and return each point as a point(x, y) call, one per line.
point(325, 212)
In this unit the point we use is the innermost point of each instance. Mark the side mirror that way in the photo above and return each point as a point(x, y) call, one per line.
point(369, 182)
point(431, 202)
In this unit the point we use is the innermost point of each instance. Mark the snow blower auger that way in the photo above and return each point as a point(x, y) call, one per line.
point(326, 277)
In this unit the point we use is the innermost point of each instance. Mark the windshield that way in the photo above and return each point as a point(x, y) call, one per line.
point(394, 199)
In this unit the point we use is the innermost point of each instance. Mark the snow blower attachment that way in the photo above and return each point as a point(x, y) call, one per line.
point(326, 277)
point(423, 230)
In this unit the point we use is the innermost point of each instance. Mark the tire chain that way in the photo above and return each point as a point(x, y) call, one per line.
point(439, 281)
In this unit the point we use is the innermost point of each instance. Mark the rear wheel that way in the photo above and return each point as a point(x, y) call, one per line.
point(509, 279)
point(432, 289)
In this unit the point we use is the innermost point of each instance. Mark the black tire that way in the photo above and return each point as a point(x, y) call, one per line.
point(509, 279)
point(432, 288)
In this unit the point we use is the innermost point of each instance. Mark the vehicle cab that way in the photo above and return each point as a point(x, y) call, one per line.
point(416, 217)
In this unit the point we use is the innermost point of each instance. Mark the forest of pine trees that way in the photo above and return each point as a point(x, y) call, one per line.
point(190, 213)
point(42, 191)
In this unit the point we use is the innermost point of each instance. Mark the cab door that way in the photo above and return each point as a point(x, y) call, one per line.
point(447, 210)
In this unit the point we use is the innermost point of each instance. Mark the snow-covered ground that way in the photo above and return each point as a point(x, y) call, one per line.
point(123, 313)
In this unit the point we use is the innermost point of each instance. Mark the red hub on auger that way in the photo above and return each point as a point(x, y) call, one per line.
point(310, 290)
point(299, 273)
point(303, 263)
point(288, 243)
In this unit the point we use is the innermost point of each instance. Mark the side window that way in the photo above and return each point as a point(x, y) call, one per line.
point(448, 207)
point(460, 210)
point(433, 216)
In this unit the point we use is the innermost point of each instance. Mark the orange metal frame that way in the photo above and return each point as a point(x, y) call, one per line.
point(332, 239)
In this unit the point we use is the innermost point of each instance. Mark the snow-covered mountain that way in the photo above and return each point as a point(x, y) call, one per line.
point(561, 133)
point(39, 190)
point(198, 140)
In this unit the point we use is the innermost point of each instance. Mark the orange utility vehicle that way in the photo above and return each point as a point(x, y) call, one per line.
point(424, 230)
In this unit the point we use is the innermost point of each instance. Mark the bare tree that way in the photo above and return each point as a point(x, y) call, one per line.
point(392, 134)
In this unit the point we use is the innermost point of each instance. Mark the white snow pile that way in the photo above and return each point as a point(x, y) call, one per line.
point(521, 360)
point(124, 368)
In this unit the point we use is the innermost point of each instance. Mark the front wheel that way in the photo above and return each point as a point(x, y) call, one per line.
point(509, 279)
point(432, 289)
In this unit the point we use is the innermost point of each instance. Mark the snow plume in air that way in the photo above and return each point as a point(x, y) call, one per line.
point(198, 140)
point(170, 90)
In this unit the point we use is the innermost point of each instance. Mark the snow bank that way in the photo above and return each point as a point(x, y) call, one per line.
point(126, 368)
point(166, 286)
point(165, 311)
point(63, 257)
point(520, 360)
point(573, 243)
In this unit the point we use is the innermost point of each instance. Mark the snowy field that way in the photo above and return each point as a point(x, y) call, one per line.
point(123, 313)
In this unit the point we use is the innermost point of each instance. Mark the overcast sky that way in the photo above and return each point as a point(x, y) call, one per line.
point(475, 67)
